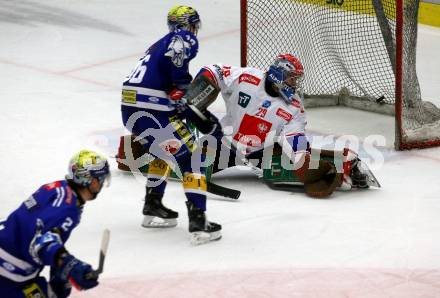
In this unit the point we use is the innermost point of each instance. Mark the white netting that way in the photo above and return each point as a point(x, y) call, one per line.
point(348, 49)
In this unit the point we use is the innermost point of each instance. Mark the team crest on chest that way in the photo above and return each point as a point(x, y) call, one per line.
point(262, 128)
point(178, 50)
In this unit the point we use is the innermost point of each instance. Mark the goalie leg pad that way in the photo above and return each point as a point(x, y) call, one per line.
point(127, 143)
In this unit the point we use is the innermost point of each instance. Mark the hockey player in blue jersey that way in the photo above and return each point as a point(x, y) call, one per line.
point(150, 110)
point(35, 234)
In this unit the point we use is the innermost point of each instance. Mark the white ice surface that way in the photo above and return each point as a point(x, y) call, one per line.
point(62, 65)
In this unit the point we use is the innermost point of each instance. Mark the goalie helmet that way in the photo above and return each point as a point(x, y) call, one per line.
point(86, 165)
point(286, 74)
point(184, 17)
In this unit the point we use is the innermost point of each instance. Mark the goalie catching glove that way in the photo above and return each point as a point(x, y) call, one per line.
point(320, 182)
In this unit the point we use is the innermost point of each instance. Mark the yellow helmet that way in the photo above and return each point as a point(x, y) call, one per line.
point(183, 17)
point(86, 165)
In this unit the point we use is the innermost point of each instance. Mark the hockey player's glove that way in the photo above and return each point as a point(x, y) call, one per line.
point(321, 182)
point(216, 128)
point(61, 288)
point(208, 125)
point(75, 271)
point(176, 96)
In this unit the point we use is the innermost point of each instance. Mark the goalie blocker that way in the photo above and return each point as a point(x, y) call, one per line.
point(201, 93)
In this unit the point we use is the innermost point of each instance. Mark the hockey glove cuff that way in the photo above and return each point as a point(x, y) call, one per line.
point(77, 272)
point(61, 288)
point(44, 246)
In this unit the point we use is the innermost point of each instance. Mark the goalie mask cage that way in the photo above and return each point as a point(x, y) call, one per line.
point(356, 53)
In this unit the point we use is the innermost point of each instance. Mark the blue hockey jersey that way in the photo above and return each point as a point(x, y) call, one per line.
point(32, 234)
point(165, 66)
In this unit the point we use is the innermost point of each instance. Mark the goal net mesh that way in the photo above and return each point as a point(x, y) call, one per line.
point(348, 49)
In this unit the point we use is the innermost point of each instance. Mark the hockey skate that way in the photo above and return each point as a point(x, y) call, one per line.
point(202, 231)
point(156, 214)
point(356, 173)
point(362, 176)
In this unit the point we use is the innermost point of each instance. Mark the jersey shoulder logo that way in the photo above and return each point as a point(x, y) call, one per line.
point(248, 78)
point(218, 71)
point(52, 185)
point(226, 70)
point(178, 50)
point(284, 114)
point(30, 203)
point(243, 99)
point(69, 197)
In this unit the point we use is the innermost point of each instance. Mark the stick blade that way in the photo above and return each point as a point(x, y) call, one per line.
point(103, 252)
point(223, 191)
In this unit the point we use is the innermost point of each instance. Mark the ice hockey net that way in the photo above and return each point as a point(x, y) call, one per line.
point(357, 53)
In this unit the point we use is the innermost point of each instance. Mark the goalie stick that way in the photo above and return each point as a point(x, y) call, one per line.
point(102, 254)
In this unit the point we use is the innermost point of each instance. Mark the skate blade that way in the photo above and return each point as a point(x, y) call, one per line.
point(199, 238)
point(157, 222)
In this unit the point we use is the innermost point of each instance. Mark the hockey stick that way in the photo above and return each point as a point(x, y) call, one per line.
point(102, 254)
point(223, 191)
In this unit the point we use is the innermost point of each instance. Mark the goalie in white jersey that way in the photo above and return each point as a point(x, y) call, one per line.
point(263, 108)
point(258, 103)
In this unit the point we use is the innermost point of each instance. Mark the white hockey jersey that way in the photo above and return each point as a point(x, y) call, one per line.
point(254, 119)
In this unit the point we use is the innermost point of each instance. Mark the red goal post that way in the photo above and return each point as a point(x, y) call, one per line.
point(356, 53)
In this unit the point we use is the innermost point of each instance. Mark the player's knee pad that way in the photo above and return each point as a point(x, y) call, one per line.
point(195, 183)
point(36, 288)
point(195, 187)
point(158, 168)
